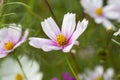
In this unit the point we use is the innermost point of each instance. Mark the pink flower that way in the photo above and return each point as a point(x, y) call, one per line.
point(59, 40)
point(10, 38)
point(65, 76)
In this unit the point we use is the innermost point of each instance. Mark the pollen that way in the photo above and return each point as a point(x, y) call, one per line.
point(99, 11)
point(18, 77)
point(97, 78)
point(9, 45)
point(61, 40)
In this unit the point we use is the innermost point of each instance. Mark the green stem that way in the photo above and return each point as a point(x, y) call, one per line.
point(51, 11)
point(26, 6)
point(73, 56)
point(20, 3)
point(116, 42)
point(15, 56)
point(70, 66)
point(9, 14)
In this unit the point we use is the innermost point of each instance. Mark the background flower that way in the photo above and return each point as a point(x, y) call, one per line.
point(97, 74)
point(100, 13)
point(10, 38)
point(10, 69)
point(65, 76)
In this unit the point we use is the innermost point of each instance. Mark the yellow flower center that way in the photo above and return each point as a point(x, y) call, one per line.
point(99, 11)
point(61, 40)
point(97, 78)
point(9, 45)
point(19, 77)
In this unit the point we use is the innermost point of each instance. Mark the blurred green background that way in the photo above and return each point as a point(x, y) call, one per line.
point(95, 45)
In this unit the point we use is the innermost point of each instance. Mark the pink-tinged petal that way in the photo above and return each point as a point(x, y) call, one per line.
point(4, 34)
point(23, 39)
point(14, 32)
point(67, 48)
point(54, 78)
point(67, 76)
point(81, 27)
point(68, 24)
point(44, 44)
point(50, 28)
point(2, 51)
point(3, 54)
point(108, 25)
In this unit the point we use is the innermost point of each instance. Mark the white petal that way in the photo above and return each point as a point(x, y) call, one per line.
point(99, 70)
point(108, 25)
point(98, 20)
point(109, 74)
point(44, 44)
point(68, 24)
point(91, 5)
point(14, 69)
point(97, 3)
point(117, 33)
point(111, 12)
point(11, 69)
point(85, 4)
point(81, 26)
point(50, 28)
point(113, 1)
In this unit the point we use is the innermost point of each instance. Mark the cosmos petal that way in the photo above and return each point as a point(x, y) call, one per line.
point(50, 28)
point(44, 44)
point(81, 27)
point(68, 24)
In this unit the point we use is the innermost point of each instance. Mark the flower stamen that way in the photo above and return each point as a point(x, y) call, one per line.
point(61, 40)
point(99, 11)
point(9, 45)
point(19, 77)
point(97, 78)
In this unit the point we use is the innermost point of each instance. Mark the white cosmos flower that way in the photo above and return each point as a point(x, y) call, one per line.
point(100, 14)
point(10, 70)
point(97, 74)
point(115, 5)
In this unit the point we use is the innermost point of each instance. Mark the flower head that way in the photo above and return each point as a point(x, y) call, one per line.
point(59, 40)
point(100, 13)
point(98, 74)
point(13, 72)
point(65, 76)
point(10, 38)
